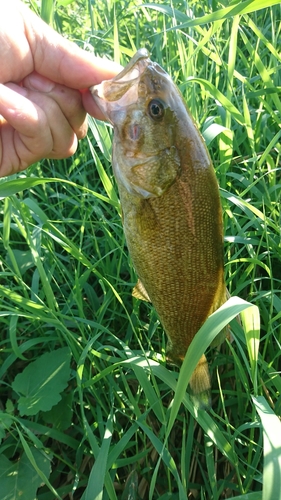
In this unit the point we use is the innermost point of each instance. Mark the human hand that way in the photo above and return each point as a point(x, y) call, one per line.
point(43, 89)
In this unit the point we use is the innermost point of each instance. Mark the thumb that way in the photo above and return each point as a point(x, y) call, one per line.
point(61, 60)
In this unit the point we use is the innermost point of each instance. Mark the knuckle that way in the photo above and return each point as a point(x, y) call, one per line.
point(64, 148)
point(69, 99)
point(82, 131)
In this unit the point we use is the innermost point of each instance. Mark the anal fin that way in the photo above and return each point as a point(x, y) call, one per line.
point(200, 384)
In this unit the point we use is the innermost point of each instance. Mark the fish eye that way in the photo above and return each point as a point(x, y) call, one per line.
point(156, 109)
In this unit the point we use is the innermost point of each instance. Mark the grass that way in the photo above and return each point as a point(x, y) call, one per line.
point(111, 420)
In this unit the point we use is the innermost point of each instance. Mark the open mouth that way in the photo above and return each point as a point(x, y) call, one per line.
point(133, 68)
point(123, 88)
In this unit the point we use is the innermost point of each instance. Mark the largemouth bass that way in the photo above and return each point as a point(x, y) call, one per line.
point(170, 203)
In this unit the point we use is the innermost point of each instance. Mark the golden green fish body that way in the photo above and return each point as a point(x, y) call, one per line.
point(170, 201)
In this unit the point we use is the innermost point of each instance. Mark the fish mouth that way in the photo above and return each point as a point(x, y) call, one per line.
point(132, 67)
point(121, 90)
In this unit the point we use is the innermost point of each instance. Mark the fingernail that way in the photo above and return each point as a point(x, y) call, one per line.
point(38, 82)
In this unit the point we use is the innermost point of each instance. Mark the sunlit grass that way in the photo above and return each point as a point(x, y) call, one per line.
point(126, 427)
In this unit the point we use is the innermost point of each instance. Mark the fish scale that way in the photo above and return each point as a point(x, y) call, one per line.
point(171, 265)
point(170, 203)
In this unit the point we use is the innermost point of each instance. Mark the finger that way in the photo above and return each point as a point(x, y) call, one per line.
point(16, 57)
point(63, 138)
point(36, 128)
point(69, 101)
point(90, 105)
point(61, 60)
point(24, 132)
point(25, 117)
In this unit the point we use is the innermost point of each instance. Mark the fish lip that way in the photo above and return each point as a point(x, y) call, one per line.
point(138, 56)
point(112, 90)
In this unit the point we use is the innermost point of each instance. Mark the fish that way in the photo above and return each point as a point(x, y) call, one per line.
point(171, 210)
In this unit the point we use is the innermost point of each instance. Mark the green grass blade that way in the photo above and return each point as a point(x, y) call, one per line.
point(202, 417)
point(95, 485)
point(14, 186)
point(66, 278)
point(168, 460)
point(107, 184)
point(13, 337)
point(47, 11)
point(272, 449)
point(153, 398)
point(217, 94)
point(251, 323)
point(256, 495)
point(204, 337)
point(32, 460)
point(228, 12)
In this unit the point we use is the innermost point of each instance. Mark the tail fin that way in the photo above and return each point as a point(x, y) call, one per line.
point(200, 384)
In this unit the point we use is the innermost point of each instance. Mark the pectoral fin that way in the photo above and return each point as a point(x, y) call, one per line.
point(139, 292)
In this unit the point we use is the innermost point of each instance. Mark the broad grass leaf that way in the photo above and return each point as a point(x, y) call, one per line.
point(22, 258)
point(19, 480)
point(13, 336)
point(7, 223)
point(8, 188)
point(42, 381)
point(52, 433)
point(271, 449)
point(64, 2)
point(60, 416)
point(212, 131)
point(101, 134)
point(47, 11)
point(204, 337)
point(131, 486)
point(251, 322)
point(256, 495)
